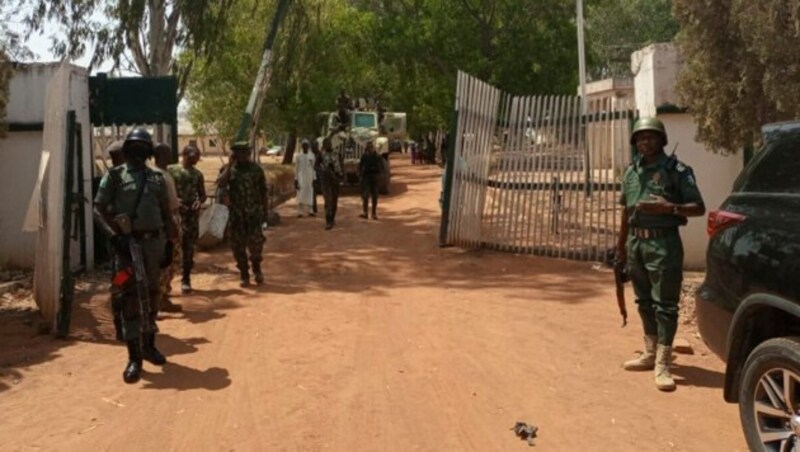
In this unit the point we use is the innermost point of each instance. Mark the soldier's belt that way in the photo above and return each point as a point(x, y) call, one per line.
point(655, 233)
point(146, 234)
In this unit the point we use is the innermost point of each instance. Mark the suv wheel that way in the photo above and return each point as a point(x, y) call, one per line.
point(769, 396)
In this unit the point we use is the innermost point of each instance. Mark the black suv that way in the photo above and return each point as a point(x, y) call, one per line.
point(748, 307)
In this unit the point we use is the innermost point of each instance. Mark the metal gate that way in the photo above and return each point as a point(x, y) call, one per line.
point(533, 174)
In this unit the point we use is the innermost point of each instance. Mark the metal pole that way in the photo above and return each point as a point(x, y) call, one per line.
point(581, 57)
point(584, 104)
point(449, 171)
point(252, 112)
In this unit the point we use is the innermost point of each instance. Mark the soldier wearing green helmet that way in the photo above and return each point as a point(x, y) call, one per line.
point(659, 193)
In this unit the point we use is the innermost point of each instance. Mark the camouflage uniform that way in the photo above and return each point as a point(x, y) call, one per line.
point(329, 169)
point(247, 190)
point(189, 184)
point(119, 189)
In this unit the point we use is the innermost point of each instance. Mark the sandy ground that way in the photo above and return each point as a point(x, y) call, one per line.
point(366, 338)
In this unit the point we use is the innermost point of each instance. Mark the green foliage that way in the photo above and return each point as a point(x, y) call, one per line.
point(140, 36)
point(741, 69)
point(405, 52)
point(617, 28)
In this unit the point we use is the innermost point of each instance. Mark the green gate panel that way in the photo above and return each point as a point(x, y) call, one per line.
point(132, 100)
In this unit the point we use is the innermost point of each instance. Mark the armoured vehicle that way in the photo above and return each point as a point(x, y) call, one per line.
point(351, 138)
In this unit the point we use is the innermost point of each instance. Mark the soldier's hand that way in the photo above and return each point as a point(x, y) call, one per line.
point(656, 204)
point(196, 205)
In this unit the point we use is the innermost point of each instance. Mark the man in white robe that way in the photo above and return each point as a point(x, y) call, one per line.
point(304, 177)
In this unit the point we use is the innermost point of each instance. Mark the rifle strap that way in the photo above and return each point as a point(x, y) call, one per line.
point(142, 182)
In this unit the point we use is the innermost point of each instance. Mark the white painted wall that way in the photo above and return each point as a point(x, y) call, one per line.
point(27, 91)
point(715, 175)
point(20, 153)
point(656, 70)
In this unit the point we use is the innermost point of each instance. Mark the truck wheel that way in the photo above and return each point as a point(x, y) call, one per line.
point(769, 396)
point(386, 177)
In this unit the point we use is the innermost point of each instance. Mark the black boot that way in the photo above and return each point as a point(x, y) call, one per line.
point(186, 281)
point(133, 370)
point(150, 352)
point(244, 276)
point(259, 277)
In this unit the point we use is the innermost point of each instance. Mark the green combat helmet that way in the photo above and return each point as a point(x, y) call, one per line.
point(649, 123)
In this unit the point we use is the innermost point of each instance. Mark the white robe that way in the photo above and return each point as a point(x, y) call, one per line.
point(304, 175)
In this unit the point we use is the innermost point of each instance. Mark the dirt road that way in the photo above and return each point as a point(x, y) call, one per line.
point(367, 338)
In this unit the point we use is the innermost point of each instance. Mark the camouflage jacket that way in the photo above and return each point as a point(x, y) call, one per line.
point(189, 184)
point(247, 189)
point(329, 165)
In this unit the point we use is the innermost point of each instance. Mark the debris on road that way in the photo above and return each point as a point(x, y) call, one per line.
point(525, 431)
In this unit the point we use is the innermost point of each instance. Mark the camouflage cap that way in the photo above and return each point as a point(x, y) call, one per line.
point(240, 146)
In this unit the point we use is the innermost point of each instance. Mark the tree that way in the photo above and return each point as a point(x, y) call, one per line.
point(11, 48)
point(406, 52)
point(140, 36)
point(617, 28)
point(742, 67)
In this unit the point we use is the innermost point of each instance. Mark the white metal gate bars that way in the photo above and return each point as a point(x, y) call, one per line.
point(533, 175)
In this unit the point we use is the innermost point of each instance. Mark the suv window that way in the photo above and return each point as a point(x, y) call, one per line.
point(776, 169)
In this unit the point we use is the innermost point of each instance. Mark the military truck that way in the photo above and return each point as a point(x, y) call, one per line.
point(351, 139)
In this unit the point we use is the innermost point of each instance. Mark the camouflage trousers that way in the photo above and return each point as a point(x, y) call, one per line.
point(168, 274)
point(330, 192)
point(190, 230)
point(246, 235)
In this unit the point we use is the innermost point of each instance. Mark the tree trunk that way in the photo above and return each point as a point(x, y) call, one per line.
point(291, 144)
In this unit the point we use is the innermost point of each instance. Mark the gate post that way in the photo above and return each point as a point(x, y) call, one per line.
point(449, 170)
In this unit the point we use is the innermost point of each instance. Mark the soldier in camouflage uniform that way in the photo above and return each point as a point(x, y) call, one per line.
point(329, 170)
point(163, 155)
point(658, 194)
point(133, 194)
point(192, 193)
point(247, 192)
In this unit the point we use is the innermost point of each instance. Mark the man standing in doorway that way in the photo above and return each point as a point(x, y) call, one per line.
point(658, 194)
point(329, 169)
point(192, 193)
point(247, 191)
point(304, 179)
point(369, 168)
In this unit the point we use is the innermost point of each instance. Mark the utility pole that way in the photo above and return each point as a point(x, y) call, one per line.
point(587, 176)
point(581, 57)
point(253, 111)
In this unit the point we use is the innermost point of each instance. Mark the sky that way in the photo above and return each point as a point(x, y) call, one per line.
point(39, 45)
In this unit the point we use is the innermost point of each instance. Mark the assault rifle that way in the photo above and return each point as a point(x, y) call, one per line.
point(139, 274)
point(621, 276)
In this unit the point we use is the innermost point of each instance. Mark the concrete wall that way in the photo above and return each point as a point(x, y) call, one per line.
point(715, 174)
point(20, 153)
point(27, 92)
point(656, 70)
